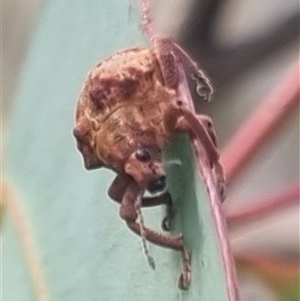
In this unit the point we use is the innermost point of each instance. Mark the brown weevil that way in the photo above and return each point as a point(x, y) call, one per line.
point(126, 113)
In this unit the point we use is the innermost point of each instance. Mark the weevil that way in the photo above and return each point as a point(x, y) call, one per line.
point(127, 112)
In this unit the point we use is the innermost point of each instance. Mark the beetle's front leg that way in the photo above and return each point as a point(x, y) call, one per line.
point(163, 199)
point(128, 212)
point(119, 186)
point(173, 242)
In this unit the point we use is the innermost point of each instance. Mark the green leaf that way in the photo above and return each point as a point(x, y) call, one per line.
point(85, 250)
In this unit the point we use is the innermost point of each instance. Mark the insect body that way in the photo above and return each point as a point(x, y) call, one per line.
point(126, 113)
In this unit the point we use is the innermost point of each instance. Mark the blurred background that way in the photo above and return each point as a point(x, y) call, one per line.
point(247, 48)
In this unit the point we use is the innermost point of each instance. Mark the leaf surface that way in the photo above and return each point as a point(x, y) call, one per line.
point(85, 250)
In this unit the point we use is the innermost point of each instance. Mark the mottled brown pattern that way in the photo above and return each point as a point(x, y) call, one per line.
point(98, 97)
point(126, 87)
point(126, 113)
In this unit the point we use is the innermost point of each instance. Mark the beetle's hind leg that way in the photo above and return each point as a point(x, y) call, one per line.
point(169, 54)
point(217, 168)
point(199, 127)
point(164, 199)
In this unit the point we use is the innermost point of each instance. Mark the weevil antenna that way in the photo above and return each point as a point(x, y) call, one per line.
point(138, 205)
point(176, 162)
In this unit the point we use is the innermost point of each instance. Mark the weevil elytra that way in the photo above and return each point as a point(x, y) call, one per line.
point(127, 111)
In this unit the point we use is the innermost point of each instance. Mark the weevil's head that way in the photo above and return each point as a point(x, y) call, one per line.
point(146, 167)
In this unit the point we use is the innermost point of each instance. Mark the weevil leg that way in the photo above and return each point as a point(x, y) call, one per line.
point(164, 199)
point(179, 119)
point(118, 187)
point(168, 61)
point(129, 214)
point(218, 168)
point(201, 127)
point(203, 85)
point(185, 275)
point(120, 184)
point(169, 53)
point(167, 223)
point(190, 124)
point(208, 123)
point(171, 242)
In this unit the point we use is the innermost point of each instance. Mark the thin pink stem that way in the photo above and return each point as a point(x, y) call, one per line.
point(264, 206)
point(261, 125)
point(215, 199)
point(278, 270)
point(147, 23)
point(23, 228)
point(204, 167)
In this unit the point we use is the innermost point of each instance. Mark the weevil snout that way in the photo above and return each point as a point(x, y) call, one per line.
point(157, 185)
point(145, 166)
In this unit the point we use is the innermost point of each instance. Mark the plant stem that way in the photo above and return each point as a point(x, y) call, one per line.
point(264, 206)
point(23, 229)
point(257, 130)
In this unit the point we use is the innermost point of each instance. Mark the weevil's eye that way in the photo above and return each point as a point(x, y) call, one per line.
point(157, 185)
point(142, 155)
